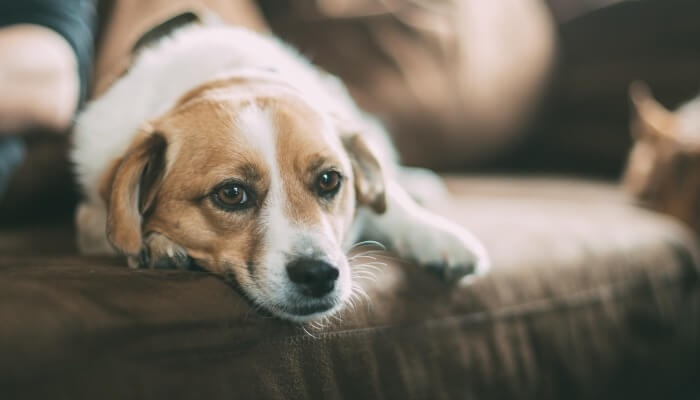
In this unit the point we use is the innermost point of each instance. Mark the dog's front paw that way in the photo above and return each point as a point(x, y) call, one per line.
point(160, 252)
point(90, 220)
point(447, 250)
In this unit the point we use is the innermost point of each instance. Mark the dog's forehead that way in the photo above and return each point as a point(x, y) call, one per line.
point(272, 142)
point(267, 124)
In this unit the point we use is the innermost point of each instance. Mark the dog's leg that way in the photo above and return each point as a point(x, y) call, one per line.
point(158, 251)
point(90, 220)
point(425, 186)
point(417, 234)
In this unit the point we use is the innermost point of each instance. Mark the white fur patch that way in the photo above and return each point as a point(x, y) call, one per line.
point(258, 128)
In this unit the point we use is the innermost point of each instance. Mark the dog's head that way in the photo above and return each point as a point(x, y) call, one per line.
point(253, 183)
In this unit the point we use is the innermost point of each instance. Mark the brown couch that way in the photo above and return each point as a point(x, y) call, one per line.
point(590, 297)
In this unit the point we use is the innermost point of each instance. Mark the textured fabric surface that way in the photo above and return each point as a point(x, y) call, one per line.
point(589, 298)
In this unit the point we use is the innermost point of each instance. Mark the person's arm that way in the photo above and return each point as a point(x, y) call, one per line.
point(46, 51)
point(39, 79)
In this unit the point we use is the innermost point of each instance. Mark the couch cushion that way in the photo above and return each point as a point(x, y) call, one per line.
point(589, 297)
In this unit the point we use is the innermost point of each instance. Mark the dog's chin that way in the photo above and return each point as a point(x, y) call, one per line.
point(301, 310)
point(306, 313)
point(296, 308)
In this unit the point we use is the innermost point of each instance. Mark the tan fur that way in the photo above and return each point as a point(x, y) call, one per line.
point(652, 118)
point(209, 152)
point(130, 186)
point(204, 149)
point(369, 183)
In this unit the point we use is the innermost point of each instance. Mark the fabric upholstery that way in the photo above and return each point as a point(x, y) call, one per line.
point(589, 297)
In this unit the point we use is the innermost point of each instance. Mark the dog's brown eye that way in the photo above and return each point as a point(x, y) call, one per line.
point(328, 183)
point(231, 196)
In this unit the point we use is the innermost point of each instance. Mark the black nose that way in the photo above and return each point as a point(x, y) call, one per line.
point(314, 278)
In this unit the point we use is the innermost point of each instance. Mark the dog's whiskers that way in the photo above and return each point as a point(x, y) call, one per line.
point(375, 265)
point(365, 270)
point(367, 242)
point(359, 295)
point(364, 274)
point(337, 317)
point(365, 267)
point(307, 332)
point(362, 255)
point(380, 256)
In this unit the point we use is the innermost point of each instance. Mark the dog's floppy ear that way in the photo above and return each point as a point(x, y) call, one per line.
point(129, 188)
point(369, 179)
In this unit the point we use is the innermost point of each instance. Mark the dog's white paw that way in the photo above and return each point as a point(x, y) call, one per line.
point(160, 252)
point(90, 220)
point(425, 186)
point(445, 249)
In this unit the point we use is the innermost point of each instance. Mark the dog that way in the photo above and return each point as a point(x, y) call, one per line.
point(225, 149)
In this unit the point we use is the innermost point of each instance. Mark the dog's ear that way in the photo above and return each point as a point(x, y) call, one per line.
point(129, 188)
point(369, 178)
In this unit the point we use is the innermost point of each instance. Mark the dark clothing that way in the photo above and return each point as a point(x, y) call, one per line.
point(12, 151)
point(75, 20)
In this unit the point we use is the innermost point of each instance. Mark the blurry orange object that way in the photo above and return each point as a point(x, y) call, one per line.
point(663, 169)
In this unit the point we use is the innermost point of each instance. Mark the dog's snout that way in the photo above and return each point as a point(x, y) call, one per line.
point(314, 278)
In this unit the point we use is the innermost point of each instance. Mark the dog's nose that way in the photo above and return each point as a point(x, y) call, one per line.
point(314, 278)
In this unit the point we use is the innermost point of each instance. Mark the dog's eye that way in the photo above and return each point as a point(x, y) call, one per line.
point(328, 183)
point(231, 196)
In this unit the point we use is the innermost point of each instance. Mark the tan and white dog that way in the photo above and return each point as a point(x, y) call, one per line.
point(225, 149)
